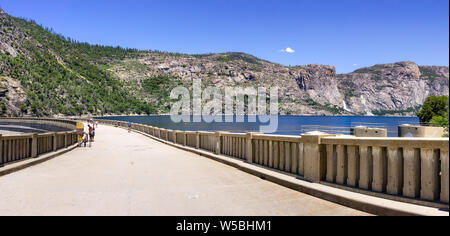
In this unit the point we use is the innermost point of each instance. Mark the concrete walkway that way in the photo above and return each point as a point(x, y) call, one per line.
point(129, 174)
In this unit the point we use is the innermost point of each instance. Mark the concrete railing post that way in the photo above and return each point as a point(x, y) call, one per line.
point(379, 158)
point(395, 170)
point(55, 142)
point(249, 155)
point(66, 142)
point(218, 143)
point(174, 135)
point(342, 164)
point(444, 176)
point(1, 151)
point(331, 163)
point(366, 169)
point(34, 146)
point(197, 140)
point(353, 165)
point(315, 157)
point(72, 138)
point(411, 180)
point(184, 138)
point(429, 174)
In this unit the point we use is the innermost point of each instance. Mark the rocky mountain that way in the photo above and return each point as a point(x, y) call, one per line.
point(42, 73)
point(393, 88)
point(390, 89)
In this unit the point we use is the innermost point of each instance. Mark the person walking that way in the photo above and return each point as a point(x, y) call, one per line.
point(129, 127)
point(85, 139)
point(91, 133)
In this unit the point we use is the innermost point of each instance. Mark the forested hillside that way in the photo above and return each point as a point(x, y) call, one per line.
point(59, 75)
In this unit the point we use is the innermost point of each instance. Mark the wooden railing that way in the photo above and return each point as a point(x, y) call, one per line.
point(410, 169)
point(15, 148)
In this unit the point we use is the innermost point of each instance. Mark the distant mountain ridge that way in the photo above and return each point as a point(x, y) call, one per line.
point(42, 74)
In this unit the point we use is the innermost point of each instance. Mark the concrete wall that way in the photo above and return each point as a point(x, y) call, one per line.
point(420, 131)
point(49, 124)
point(412, 169)
point(15, 148)
point(24, 127)
point(369, 132)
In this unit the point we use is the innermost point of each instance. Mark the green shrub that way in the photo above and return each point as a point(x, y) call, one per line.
point(433, 106)
point(435, 112)
point(23, 108)
point(3, 107)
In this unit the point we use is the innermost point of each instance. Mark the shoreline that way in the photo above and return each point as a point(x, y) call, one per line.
point(163, 115)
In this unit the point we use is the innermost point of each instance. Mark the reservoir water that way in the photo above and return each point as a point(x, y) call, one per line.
point(287, 125)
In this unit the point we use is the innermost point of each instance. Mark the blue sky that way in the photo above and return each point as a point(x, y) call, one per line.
point(345, 33)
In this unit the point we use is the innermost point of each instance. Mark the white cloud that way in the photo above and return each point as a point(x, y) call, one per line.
point(355, 65)
point(288, 50)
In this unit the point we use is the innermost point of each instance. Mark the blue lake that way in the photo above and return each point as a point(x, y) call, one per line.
point(288, 125)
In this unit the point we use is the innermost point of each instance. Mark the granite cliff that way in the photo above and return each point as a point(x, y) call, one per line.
point(389, 89)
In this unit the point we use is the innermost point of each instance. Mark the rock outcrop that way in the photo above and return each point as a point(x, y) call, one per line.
point(401, 87)
point(12, 97)
point(389, 89)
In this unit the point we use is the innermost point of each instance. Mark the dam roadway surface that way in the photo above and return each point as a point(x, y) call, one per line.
point(130, 174)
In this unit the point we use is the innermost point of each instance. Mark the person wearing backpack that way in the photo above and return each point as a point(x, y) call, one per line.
point(91, 133)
